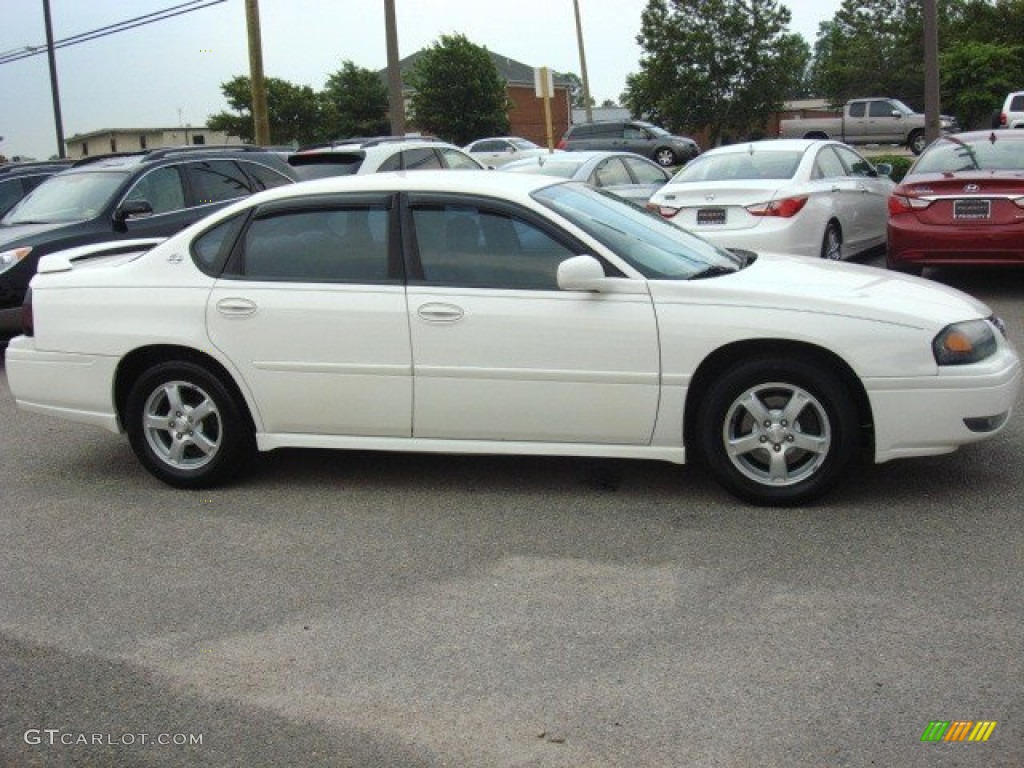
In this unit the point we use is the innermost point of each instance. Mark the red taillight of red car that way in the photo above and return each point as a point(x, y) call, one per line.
point(27, 322)
point(562, 143)
point(786, 208)
point(901, 204)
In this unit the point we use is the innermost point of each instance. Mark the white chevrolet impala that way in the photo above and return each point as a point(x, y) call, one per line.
point(502, 314)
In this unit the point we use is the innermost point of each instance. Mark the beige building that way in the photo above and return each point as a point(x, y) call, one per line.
point(135, 139)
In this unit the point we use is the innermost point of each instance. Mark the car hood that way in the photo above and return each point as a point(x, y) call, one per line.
point(804, 284)
point(16, 233)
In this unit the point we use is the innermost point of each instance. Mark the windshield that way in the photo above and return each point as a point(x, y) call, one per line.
point(949, 154)
point(562, 170)
point(901, 107)
point(744, 165)
point(655, 130)
point(67, 197)
point(522, 144)
point(652, 246)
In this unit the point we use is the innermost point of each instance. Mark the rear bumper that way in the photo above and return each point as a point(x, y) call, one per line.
point(69, 386)
point(914, 243)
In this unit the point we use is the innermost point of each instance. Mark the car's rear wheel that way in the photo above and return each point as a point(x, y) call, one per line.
point(832, 242)
point(665, 157)
point(186, 427)
point(778, 432)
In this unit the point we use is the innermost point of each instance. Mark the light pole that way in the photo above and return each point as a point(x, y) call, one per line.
point(261, 121)
point(931, 71)
point(396, 103)
point(54, 90)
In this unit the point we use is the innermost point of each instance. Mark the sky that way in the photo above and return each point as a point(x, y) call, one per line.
point(169, 73)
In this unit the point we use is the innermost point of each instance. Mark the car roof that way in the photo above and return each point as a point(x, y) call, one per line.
point(770, 145)
point(472, 182)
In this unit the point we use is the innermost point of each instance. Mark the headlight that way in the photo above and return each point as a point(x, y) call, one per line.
point(9, 258)
point(963, 343)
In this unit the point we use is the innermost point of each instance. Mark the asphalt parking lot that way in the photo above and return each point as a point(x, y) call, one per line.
point(359, 609)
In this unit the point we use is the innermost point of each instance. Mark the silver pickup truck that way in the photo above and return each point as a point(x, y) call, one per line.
point(867, 121)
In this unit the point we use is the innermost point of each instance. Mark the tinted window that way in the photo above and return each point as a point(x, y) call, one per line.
point(645, 173)
point(217, 181)
point(1017, 103)
point(456, 160)
point(161, 188)
point(880, 109)
point(610, 172)
point(210, 249)
point(339, 245)
point(582, 131)
point(741, 165)
point(857, 110)
point(265, 178)
point(948, 155)
point(10, 193)
point(412, 160)
point(827, 165)
point(469, 246)
point(324, 164)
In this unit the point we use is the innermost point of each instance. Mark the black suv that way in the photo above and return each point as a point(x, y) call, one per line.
point(124, 196)
point(18, 179)
point(631, 136)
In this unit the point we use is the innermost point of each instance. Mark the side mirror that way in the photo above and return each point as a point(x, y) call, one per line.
point(897, 114)
point(580, 273)
point(132, 209)
point(884, 169)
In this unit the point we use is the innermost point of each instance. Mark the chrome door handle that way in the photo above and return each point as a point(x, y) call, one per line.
point(234, 307)
point(440, 313)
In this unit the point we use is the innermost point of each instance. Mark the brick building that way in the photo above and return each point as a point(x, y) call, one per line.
point(526, 118)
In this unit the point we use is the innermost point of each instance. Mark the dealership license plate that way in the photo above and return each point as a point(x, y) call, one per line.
point(972, 210)
point(710, 216)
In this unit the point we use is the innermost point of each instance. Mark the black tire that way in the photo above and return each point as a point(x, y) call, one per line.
point(832, 242)
point(207, 439)
point(792, 424)
point(665, 157)
point(916, 142)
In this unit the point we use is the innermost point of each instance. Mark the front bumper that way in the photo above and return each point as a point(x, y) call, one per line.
point(925, 416)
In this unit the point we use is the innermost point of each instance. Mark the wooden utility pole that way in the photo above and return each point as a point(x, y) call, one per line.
point(396, 102)
point(583, 64)
point(261, 120)
point(932, 128)
point(54, 90)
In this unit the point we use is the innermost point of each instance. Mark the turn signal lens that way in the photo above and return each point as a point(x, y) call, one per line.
point(9, 258)
point(785, 208)
point(963, 343)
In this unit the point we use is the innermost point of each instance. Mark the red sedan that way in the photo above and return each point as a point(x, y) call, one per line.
point(962, 202)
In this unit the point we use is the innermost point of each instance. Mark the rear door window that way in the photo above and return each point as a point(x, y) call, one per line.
point(216, 181)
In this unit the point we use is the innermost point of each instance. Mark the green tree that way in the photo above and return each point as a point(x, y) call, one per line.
point(576, 100)
point(354, 102)
point(458, 93)
point(721, 64)
point(976, 76)
point(293, 112)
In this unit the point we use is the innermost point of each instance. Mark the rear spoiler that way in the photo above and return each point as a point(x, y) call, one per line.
point(60, 261)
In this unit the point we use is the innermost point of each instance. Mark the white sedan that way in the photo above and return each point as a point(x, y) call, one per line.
point(499, 150)
point(502, 314)
point(808, 197)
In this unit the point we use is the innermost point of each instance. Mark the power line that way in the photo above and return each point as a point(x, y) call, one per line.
point(121, 26)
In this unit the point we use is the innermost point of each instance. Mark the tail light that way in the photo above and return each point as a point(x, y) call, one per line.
point(665, 211)
point(562, 143)
point(1002, 119)
point(28, 326)
point(900, 204)
point(785, 208)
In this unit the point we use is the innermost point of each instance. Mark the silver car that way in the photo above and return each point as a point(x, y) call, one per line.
point(622, 173)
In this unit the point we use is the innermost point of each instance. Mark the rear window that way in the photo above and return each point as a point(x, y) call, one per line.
point(1017, 103)
point(325, 164)
point(741, 165)
point(950, 154)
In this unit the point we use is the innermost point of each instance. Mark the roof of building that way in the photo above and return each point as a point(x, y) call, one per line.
point(511, 71)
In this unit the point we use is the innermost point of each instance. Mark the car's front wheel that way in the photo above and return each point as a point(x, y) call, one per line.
point(665, 157)
point(186, 427)
point(778, 432)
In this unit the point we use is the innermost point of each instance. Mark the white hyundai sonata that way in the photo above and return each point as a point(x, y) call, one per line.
point(502, 314)
point(805, 196)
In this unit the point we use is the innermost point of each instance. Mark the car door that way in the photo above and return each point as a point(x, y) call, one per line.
point(500, 353)
point(883, 127)
point(871, 201)
point(831, 181)
point(312, 310)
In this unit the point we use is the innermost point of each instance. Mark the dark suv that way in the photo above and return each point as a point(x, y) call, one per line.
point(18, 179)
point(124, 196)
point(631, 136)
